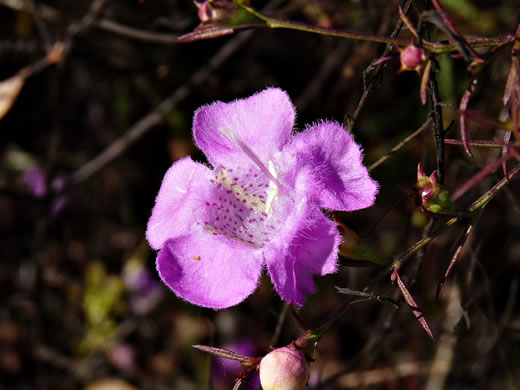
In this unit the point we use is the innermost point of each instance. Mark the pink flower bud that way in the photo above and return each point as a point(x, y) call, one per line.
point(216, 12)
point(284, 369)
point(413, 58)
point(204, 12)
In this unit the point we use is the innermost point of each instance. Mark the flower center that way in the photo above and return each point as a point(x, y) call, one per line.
point(244, 200)
point(242, 206)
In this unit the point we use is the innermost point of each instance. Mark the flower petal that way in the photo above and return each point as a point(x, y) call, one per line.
point(209, 270)
point(263, 122)
point(179, 201)
point(307, 245)
point(341, 181)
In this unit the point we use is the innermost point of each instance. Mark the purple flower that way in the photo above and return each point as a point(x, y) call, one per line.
point(145, 291)
point(36, 181)
point(260, 204)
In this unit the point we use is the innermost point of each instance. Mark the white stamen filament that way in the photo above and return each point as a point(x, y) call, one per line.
point(249, 153)
point(272, 191)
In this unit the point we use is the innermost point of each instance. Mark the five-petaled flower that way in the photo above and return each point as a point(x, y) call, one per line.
point(260, 204)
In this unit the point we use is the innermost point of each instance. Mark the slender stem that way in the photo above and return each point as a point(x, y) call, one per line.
point(156, 116)
point(397, 147)
point(281, 320)
point(327, 323)
point(421, 243)
point(477, 143)
point(475, 208)
point(133, 33)
point(276, 23)
point(479, 176)
point(373, 73)
point(433, 47)
point(484, 199)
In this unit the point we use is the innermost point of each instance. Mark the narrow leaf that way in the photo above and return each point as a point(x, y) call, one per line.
point(424, 82)
point(512, 81)
point(463, 106)
point(408, 22)
point(206, 32)
point(485, 121)
point(513, 78)
point(505, 150)
point(476, 143)
point(458, 39)
point(224, 353)
point(456, 254)
point(491, 193)
point(515, 107)
point(478, 177)
point(416, 311)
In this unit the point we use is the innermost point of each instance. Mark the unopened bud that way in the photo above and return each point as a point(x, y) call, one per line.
point(284, 369)
point(434, 198)
point(427, 185)
point(413, 58)
point(216, 12)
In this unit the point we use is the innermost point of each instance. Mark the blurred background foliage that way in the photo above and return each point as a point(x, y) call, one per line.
point(82, 306)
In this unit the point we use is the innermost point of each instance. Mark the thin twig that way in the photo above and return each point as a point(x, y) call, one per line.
point(478, 143)
point(479, 176)
point(156, 116)
point(279, 325)
point(401, 144)
point(370, 85)
point(332, 60)
point(435, 103)
point(83, 25)
point(40, 25)
point(134, 33)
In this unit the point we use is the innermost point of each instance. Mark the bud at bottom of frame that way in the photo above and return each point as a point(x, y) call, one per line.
point(284, 369)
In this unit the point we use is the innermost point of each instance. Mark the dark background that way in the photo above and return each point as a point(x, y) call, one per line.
point(71, 316)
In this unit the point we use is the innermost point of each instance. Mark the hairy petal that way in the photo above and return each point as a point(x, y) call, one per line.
point(209, 270)
point(179, 202)
point(307, 246)
point(341, 181)
point(263, 122)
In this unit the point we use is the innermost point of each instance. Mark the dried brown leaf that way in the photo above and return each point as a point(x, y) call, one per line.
point(9, 90)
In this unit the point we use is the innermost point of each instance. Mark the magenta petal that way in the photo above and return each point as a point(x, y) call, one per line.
point(341, 181)
point(209, 270)
point(261, 203)
point(179, 201)
point(263, 122)
point(309, 247)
